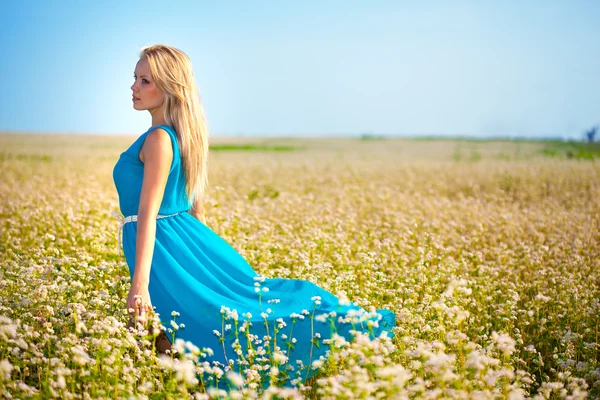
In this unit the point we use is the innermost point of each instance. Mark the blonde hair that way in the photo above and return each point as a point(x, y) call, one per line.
point(172, 71)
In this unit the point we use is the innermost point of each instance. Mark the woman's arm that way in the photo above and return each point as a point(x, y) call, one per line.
point(197, 211)
point(157, 154)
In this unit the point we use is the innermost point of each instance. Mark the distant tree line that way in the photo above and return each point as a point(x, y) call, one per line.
point(591, 134)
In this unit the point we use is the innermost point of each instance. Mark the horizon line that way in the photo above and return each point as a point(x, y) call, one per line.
point(362, 136)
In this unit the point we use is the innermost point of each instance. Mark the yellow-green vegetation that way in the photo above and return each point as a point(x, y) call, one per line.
point(489, 253)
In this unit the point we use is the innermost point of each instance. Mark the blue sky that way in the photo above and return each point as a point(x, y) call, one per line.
point(480, 68)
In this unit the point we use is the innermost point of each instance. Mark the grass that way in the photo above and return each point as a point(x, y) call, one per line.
point(488, 252)
point(253, 147)
point(572, 150)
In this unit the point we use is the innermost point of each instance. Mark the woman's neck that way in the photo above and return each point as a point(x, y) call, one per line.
point(158, 116)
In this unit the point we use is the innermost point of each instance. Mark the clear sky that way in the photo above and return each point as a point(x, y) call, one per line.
point(290, 67)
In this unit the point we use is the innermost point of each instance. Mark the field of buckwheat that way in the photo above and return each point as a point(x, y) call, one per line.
point(488, 252)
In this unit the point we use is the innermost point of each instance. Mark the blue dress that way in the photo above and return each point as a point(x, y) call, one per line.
point(220, 299)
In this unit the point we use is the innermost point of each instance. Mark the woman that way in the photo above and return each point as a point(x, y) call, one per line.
point(178, 264)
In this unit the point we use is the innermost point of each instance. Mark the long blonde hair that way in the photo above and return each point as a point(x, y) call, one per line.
point(172, 71)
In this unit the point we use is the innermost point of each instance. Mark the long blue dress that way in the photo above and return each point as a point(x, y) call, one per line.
point(217, 293)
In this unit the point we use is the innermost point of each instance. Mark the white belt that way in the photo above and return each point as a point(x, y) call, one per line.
point(131, 218)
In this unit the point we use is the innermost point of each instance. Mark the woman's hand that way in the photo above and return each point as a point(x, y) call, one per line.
point(139, 301)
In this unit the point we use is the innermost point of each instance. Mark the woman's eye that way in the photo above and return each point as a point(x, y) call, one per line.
point(143, 80)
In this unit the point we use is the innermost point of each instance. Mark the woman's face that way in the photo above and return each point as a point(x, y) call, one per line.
point(146, 95)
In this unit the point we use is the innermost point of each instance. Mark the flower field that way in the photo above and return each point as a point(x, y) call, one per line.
point(488, 253)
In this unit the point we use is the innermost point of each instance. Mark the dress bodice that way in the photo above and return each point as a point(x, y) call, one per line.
point(128, 175)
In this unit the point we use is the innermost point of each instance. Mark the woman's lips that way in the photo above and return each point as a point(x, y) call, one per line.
point(135, 99)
